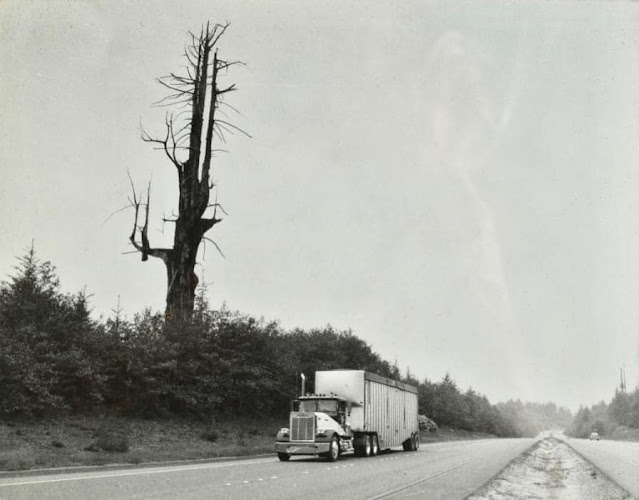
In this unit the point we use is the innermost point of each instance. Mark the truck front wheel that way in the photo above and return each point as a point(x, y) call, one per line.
point(333, 450)
point(284, 457)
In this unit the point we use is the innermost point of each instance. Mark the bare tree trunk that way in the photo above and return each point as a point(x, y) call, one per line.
point(189, 147)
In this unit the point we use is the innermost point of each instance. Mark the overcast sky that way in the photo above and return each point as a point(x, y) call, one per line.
point(456, 182)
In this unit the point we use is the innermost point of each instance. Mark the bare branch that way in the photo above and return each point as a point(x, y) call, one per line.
point(216, 206)
point(204, 238)
point(145, 229)
point(117, 212)
point(228, 64)
point(219, 132)
point(164, 142)
point(223, 103)
point(224, 91)
point(136, 205)
point(177, 90)
point(222, 28)
point(230, 125)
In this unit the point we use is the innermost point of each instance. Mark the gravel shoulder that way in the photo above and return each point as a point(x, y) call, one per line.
point(550, 470)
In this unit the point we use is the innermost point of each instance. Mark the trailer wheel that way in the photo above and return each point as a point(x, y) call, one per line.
point(333, 450)
point(408, 444)
point(284, 457)
point(374, 445)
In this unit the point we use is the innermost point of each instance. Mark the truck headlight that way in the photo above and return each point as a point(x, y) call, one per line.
point(283, 434)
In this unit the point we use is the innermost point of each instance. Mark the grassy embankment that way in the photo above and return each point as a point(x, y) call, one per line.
point(87, 441)
point(78, 441)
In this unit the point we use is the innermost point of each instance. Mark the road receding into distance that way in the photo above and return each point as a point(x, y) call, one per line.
point(448, 470)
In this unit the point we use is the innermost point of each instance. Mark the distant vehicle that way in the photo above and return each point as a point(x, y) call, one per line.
point(594, 436)
point(352, 410)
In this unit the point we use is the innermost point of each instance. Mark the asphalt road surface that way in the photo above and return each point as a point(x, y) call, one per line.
point(619, 460)
point(447, 470)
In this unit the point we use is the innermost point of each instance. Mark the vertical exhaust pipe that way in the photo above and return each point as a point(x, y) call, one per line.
point(303, 384)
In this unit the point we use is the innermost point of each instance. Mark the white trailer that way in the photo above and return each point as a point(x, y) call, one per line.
point(351, 410)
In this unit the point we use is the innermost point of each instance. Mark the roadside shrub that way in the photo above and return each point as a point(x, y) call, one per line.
point(426, 424)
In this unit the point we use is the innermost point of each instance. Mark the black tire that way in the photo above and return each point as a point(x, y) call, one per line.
point(374, 445)
point(365, 449)
point(367, 446)
point(333, 450)
point(284, 457)
point(408, 444)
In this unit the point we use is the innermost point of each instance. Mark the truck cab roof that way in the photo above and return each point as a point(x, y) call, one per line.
point(322, 396)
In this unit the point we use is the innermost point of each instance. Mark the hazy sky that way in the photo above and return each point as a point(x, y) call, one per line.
point(457, 182)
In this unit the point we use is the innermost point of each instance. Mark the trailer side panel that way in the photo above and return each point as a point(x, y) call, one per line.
point(379, 405)
point(391, 412)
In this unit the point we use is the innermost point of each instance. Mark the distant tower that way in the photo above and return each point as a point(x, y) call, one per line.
point(622, 385)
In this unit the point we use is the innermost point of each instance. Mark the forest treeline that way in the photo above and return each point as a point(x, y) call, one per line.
point(56, 359)
point(606, 418)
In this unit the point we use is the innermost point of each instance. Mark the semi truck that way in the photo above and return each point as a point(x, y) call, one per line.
point(350, 411)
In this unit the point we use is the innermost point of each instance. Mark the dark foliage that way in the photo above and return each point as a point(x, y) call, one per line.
point(621, 412)
point(54, 358)
point(448, 406)
point(48, 344)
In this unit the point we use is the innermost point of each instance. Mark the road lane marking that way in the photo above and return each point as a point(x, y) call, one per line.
point(132, 473)
point(422, 480)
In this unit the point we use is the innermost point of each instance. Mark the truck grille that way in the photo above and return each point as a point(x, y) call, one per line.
point(303, 427)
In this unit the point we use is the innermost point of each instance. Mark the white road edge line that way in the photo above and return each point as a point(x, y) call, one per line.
point(141, 472)
point(414, 483)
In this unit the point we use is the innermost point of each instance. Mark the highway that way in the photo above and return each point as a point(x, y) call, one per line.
point(619, 460)
point(448, 470)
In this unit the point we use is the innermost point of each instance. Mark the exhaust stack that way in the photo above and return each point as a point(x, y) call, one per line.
point(303, 384)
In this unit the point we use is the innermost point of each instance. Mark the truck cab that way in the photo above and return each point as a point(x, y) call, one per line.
point(318, 425)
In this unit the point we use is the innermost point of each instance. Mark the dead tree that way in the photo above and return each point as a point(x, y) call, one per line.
point(189, 145)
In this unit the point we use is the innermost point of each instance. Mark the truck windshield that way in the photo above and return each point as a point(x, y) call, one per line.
point(323, 405)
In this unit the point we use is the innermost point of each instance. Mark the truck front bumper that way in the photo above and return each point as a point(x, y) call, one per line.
point(293, 448)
